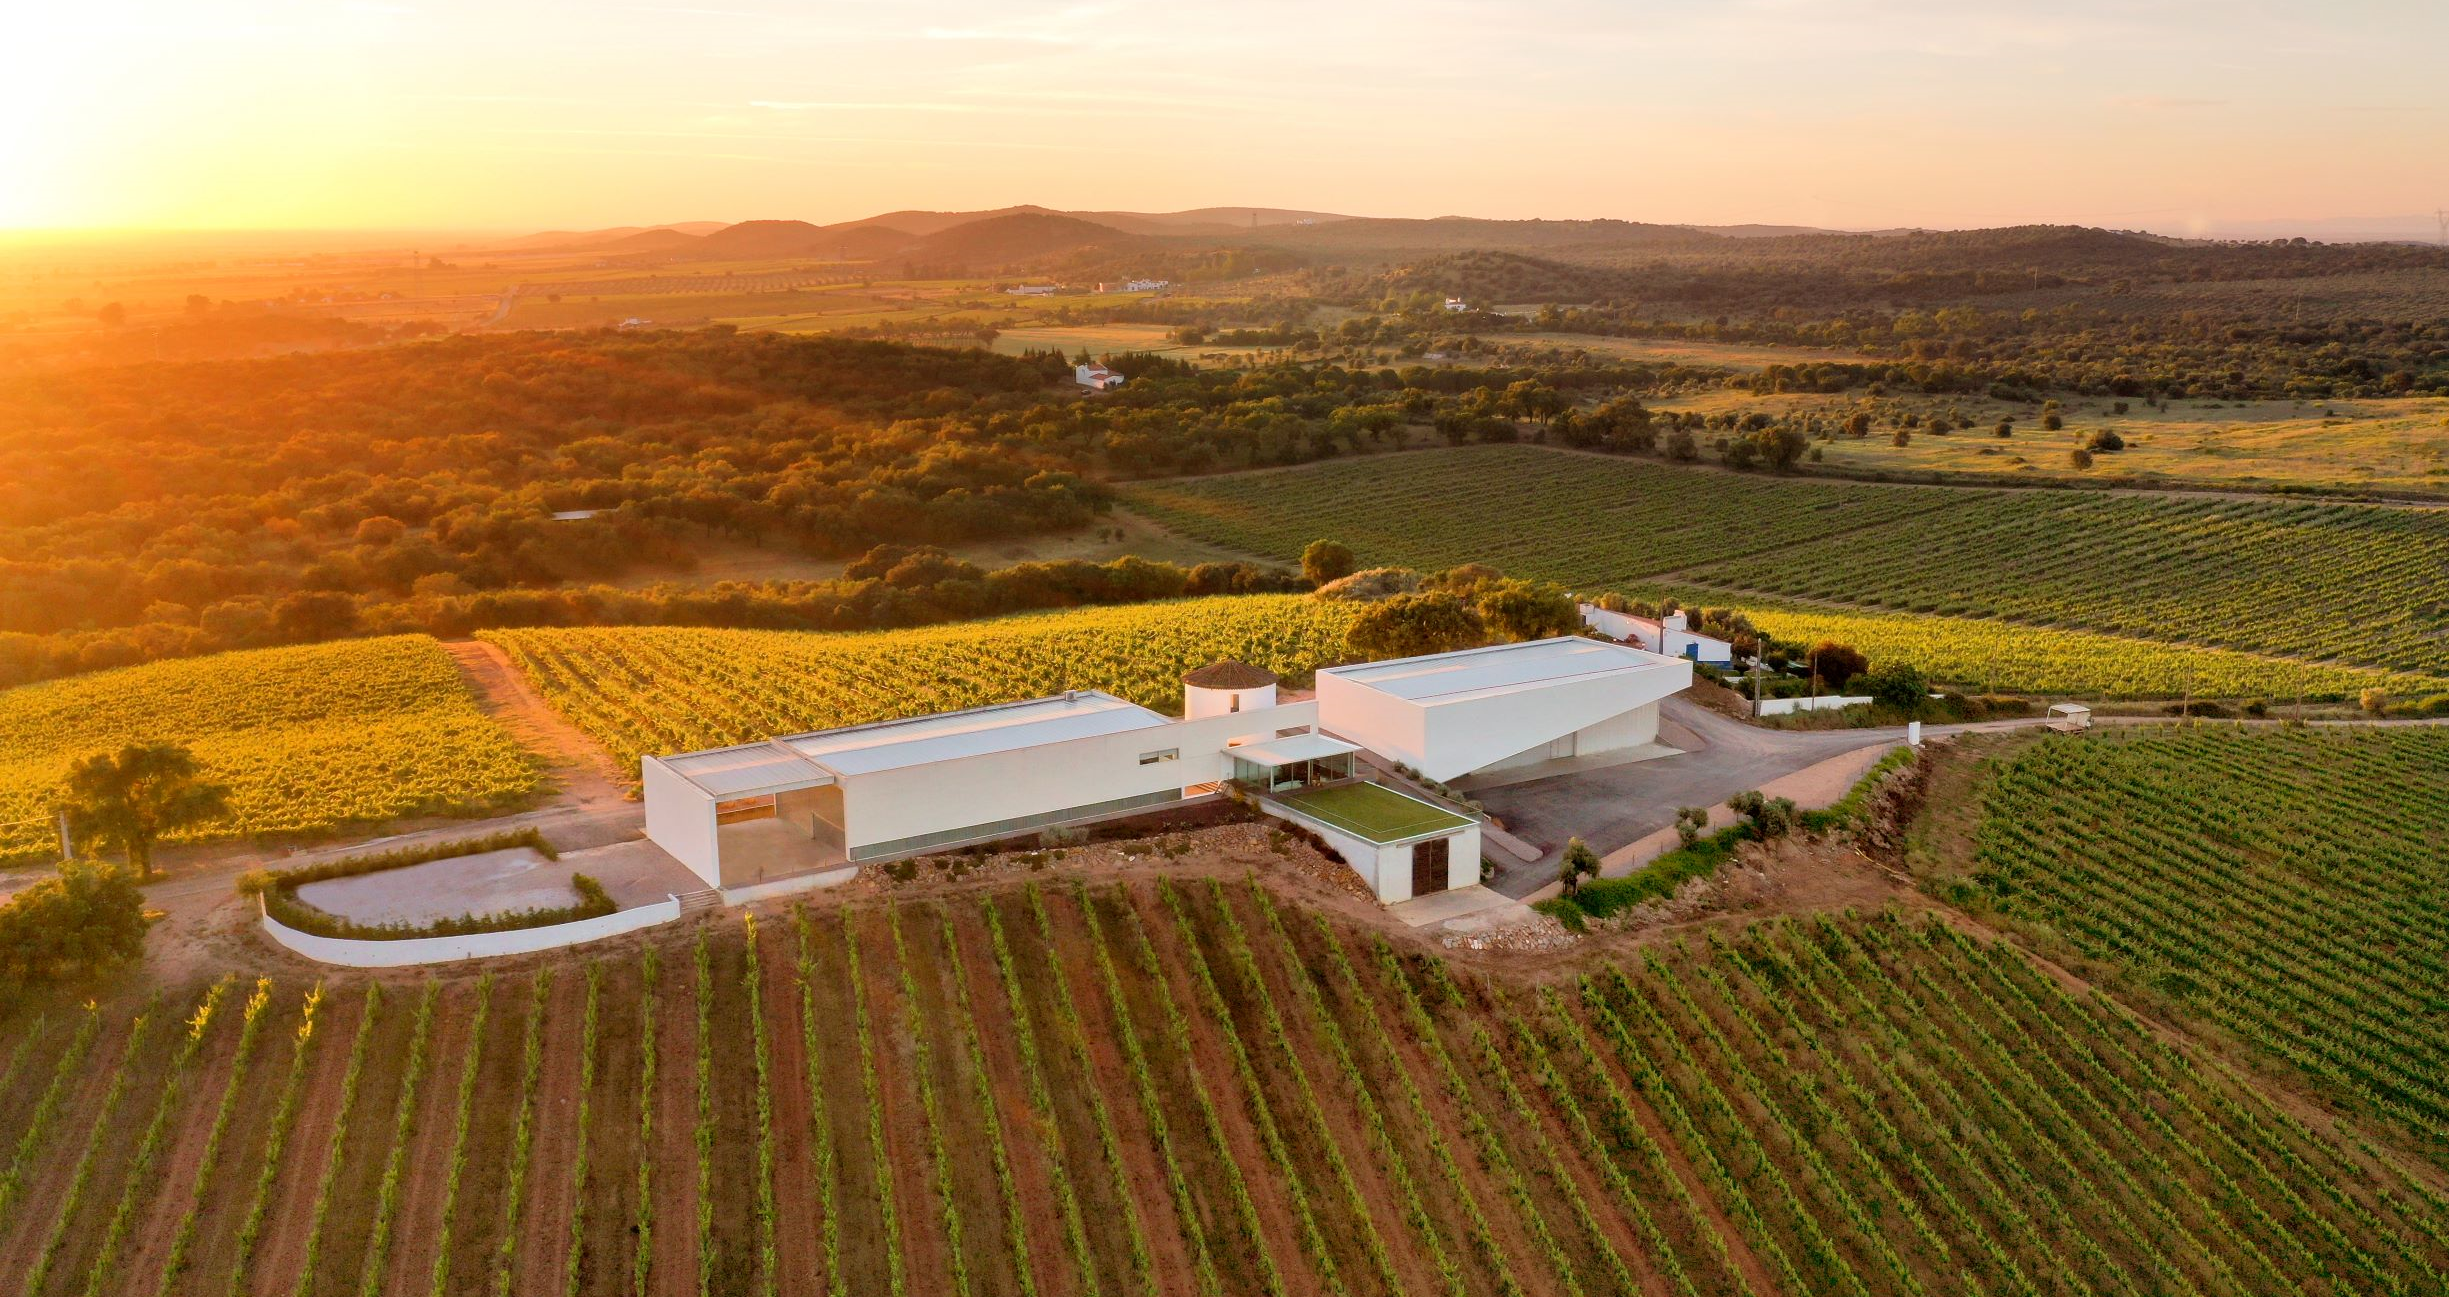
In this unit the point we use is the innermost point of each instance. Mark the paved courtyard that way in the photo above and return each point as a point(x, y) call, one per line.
point(634, 873)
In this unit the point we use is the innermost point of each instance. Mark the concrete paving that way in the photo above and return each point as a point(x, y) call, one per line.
point(1614, 808)
point(494, 882)
point(1439, 908)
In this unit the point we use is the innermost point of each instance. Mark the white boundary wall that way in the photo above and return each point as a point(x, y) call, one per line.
point(412, 951)
point(1825, 703)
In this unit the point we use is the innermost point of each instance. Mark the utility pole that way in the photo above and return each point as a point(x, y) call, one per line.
point(1811, 664)
point(68, 849)
point(2441, 215)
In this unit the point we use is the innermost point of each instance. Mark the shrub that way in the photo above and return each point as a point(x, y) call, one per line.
point(83, 921)
point(1325, 561)
point(2079, 457)
point(1771, 817)
point(2105, 439)
point(1580, 862)
point(2373, 701)
point(1900, 687)
point(1605, 897)
point(1372, 585)
point(1690, 823)
point(1409, 625)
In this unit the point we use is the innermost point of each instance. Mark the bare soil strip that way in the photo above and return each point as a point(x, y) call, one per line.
point(926, 1247)
point(587, 772)
point(672, 1260)
point(544, 1226)
point(798, 1200)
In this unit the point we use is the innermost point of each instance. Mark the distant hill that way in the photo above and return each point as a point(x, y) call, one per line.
point(1000, 241)
point(621, 236)
point(751, 239)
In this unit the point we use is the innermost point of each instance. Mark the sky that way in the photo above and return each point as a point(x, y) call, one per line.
point(2177, 115)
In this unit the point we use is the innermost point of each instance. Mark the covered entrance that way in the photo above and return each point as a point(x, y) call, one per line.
point(1301, 761)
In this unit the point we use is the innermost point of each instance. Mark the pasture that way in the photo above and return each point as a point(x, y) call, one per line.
point(2399, 446)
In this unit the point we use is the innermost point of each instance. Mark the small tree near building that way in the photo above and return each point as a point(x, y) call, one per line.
point(1690, 823)
point(1771, 817)
point(129, 800)
point(1325, 560)
point(1837, 663)
point(1899, 687)
point(1580, 862)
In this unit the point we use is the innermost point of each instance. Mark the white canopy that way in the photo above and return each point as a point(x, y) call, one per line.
point(1285, 752)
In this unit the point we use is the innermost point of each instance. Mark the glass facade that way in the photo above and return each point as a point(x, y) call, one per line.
point(1265, 778)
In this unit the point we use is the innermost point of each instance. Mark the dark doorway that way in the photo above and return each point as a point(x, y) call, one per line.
point(1429, 865)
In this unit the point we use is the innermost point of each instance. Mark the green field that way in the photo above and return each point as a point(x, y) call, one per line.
point(643, 690)
point(2288, 885)
point(2361, 584)
point(1376, 813)
point(308, 738)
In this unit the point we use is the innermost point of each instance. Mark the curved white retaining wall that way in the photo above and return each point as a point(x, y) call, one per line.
point(475, 945)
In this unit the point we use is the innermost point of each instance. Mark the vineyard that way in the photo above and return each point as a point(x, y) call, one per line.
point(307, 738)
point(1177, 1087)
point(657, 690)
point(2360, 584)
point(1995, 656)
point(2286, 884)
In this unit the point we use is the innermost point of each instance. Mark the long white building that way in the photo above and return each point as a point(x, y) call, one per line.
point(805, 808)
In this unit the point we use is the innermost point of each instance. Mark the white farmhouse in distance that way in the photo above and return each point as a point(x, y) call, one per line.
point(1669, 635)
point(806, 809)
point(1457, 305)
point(1096, 378)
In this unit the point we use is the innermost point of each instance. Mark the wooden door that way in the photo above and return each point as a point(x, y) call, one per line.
point(1429, 865)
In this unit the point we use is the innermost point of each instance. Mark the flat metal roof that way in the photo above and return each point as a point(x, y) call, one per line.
point(1285, 751)
point(1439, 678)
point(724, 773)
point(978, 731)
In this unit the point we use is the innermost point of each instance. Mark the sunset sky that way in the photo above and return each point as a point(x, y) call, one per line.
point(521, 114)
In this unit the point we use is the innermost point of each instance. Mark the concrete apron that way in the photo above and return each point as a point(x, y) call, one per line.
point(1814, 787)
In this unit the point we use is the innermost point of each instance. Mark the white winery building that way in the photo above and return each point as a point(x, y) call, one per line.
point(803, 809)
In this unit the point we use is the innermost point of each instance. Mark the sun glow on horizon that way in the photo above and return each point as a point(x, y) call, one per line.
point(253, 114)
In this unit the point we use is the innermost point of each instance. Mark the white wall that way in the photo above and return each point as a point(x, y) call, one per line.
point(1200, 703)
point(1452, 739)
point(1384, 724)
point(474, 945)
point(680, 819)
point(1671, 639)
point(1387, 871)
point(941, 796)
point(1825, 703)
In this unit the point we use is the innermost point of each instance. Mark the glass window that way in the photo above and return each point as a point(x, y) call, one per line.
point(1151, 758)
